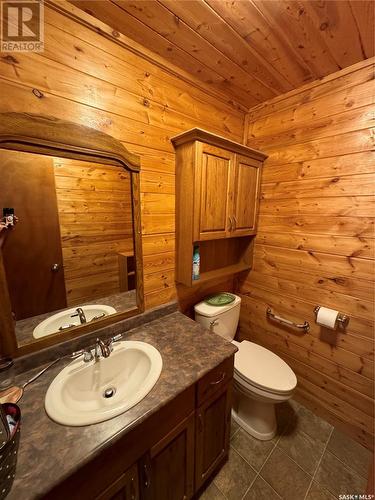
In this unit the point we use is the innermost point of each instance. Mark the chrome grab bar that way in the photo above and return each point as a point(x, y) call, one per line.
point(304, 326)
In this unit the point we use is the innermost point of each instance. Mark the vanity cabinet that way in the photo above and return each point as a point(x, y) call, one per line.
point(180, 463)
point(167, 470)
point(168, 456)
point(217, 197)
point(126, 487)
point(212, 420)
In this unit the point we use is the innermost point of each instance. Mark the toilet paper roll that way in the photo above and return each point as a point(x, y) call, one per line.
point(327, 317)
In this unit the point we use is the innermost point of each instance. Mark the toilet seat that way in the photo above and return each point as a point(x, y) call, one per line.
point(258, 368)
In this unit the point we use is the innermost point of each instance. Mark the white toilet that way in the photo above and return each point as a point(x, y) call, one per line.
point(261, 378)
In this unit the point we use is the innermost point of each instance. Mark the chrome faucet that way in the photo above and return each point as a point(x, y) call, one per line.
point(80, 313)
point(98, 316)
point(103, 349)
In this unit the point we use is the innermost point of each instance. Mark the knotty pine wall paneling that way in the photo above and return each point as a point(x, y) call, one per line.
point(315, 243)
point(95, 213)
point(87, 78)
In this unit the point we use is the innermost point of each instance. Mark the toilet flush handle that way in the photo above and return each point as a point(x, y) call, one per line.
point(213, 323)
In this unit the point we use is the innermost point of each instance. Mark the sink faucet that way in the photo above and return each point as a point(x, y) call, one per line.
point(80, 313)
point(103, 349)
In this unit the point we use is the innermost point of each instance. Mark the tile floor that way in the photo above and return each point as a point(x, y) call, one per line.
point(308, 460)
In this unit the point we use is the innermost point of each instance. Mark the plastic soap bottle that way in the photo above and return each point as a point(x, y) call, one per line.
point(196, 262)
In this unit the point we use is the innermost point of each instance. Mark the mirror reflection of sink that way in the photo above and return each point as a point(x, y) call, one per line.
point(87, 393)
point(68, 318)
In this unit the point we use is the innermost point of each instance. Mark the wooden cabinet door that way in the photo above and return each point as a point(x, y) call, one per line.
point(245, 199)
point(126, 487)
point(167, 471)
point(212, 434)
point(211, 202)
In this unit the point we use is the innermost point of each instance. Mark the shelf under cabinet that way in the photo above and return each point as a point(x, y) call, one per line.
point(221, 272)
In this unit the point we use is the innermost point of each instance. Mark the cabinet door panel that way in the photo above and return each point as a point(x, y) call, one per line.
point(212, 434)
point(167, 473)
point(213, 197)
point(245, 195)
point(124, 488)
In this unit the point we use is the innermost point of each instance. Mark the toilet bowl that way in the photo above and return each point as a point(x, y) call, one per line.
point(261, 378)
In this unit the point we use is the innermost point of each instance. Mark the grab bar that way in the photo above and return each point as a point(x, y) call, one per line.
point(305, 326)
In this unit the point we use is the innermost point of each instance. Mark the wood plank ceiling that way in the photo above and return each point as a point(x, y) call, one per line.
point(249, 50)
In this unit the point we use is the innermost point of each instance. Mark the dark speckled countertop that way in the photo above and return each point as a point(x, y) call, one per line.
point(50, 452)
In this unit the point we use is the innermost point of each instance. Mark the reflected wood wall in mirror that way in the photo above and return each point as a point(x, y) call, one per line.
point(72, 261)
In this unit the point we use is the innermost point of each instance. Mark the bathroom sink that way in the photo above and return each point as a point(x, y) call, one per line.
point(67, 318)
point(87, 393)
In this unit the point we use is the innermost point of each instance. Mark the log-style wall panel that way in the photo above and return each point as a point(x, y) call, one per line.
point(86, 78)
point(92, 231)
point(315, 243)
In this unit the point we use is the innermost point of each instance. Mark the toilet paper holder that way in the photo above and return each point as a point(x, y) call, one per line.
point(342, 319)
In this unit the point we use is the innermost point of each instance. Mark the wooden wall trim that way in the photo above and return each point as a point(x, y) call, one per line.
point(52, 136)
point(198, 134)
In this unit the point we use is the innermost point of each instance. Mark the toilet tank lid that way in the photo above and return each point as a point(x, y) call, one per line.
point(209, 311)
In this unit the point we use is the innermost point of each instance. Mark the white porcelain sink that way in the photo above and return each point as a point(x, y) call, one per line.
point(79, 393)
point(69, 317)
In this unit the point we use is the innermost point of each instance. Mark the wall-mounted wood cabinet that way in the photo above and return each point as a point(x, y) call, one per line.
point(217, 196)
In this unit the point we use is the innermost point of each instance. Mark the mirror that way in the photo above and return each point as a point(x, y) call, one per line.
point(70, 253)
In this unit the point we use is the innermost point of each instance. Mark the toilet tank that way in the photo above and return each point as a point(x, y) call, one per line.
point(222, 320)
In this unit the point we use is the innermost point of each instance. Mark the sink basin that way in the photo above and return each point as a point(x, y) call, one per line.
point(65, 318)
point(87, 393)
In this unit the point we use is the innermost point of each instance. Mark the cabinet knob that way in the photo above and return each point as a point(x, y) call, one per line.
point(55, 268)
point(230, 224)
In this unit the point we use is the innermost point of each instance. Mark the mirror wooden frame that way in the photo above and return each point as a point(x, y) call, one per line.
point(54, 137)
